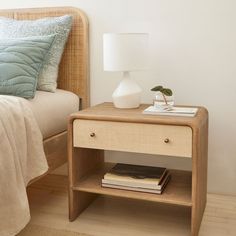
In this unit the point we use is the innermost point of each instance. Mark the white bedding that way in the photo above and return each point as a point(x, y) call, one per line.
point(22, 158)
point(23, 126)
point(51, 110)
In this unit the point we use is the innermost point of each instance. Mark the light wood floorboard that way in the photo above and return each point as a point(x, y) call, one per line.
point(108, 216)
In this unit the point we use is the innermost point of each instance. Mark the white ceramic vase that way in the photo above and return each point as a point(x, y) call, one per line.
point(127, 94)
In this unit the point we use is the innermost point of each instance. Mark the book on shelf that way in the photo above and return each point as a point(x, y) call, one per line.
point(131, 184)
point(138, 189)
point(136, 174)
point(175, 111)
point(136, 178)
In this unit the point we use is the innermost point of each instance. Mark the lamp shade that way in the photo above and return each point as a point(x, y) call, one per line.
point(125, 51)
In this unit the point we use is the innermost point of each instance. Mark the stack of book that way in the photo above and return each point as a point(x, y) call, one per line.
point(137, 178)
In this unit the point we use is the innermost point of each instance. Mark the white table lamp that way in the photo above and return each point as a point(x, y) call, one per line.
point(125, 52)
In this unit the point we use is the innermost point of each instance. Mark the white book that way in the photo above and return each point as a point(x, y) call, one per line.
point(132, 189)
point(175, 111)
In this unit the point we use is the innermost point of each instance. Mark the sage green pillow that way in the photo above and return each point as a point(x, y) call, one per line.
point(20, 63)
point(60, 26)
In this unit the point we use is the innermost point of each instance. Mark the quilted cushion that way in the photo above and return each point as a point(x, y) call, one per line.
point(20, 63)
point(60, 26)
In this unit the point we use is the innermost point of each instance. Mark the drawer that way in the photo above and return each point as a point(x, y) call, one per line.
point(133, 137)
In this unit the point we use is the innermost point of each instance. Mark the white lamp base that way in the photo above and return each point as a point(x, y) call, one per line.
point(127, 94)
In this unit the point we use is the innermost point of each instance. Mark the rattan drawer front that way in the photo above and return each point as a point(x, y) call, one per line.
point(133, 137)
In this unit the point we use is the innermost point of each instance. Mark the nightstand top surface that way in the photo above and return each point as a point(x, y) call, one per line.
point(107, 112)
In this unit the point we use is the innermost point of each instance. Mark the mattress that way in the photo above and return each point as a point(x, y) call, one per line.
point(51, 110)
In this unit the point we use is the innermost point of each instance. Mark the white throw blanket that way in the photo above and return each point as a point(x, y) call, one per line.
point(22, 158)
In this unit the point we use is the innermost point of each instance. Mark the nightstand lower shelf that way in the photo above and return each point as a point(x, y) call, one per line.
point(177, 191)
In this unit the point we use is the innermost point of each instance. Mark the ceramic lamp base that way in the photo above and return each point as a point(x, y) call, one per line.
point(127, 94)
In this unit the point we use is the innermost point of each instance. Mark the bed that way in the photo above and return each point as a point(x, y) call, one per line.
point(73, 75)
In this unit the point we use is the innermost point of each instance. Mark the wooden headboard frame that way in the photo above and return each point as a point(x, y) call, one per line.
point(74, 66)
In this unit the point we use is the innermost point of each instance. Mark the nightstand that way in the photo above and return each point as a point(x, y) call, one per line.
point(103, 127)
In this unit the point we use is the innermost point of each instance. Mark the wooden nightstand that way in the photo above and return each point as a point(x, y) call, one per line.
point(104, 127)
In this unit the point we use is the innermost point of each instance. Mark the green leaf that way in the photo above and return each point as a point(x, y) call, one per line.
point(157, 88)
point(167, 92)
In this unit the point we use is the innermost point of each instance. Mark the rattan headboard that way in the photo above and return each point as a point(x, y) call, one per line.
point(73, 72)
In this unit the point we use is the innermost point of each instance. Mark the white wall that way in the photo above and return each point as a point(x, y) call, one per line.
point(193, 51)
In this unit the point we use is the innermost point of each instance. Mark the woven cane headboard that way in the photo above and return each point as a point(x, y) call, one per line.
point(73, 72)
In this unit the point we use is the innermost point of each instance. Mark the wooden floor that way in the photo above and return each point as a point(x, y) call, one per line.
point(120, 217)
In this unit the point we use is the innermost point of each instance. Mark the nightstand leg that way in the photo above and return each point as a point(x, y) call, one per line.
point(199, 178)
point(82, 161)
point(79, 201)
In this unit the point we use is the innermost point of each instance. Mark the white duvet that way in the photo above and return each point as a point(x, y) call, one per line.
point(22, 158)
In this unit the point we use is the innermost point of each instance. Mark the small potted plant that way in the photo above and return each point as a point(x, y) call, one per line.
point(163, 98)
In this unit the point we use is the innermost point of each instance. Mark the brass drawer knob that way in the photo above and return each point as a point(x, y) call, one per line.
point(166, 140)
point(92, 135)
